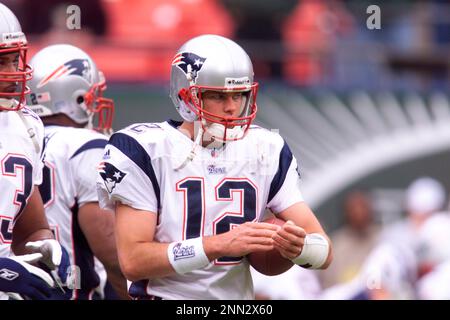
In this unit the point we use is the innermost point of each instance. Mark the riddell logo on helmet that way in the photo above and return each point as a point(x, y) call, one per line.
point(13, 37)
point(233, 82)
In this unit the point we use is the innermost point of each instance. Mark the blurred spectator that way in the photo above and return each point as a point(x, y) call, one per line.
point(38, 16)
point(405, 250)
point(310, 35)
point(59, 33)
point(258, 26)
point(353, 242)
point(441, 11)
point(424, 197)
point(434, 258)
point(436, 284)
point(388, 273)
point(433, 242)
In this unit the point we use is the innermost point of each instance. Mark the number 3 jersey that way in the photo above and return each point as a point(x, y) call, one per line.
point(20, 168)
point(69, 182)
point(144, 166)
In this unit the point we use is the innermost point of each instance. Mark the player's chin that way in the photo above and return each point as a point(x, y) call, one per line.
point(7, 97)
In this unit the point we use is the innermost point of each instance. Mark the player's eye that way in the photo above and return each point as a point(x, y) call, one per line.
point(6, 62)
point(237, 96)
point(214, 96)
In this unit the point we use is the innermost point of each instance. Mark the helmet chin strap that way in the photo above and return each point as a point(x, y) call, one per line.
point(7, 103)
point(11, 103)
point(193, 152)
point(215, 132)
point(30, 131)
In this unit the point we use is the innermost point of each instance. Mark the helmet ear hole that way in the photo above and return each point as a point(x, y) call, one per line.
point(80, 99)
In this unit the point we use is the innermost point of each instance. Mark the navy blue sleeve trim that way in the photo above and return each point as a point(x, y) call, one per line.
point(135, 152)
point(93, 144)
point(280, 176)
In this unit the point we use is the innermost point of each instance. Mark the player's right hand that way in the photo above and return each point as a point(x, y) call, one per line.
point(247, 237)
point(289, 240)
point(21, 280)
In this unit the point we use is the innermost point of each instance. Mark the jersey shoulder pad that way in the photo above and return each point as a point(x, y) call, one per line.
point(34, 121)
point(150, 137)
point(33, 117)
point(85, 139)
point(145, 133)
point(260, 135)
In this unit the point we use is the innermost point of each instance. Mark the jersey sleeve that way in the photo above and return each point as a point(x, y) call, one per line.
point(285, 186)
point(84, 169)
point(126, 175)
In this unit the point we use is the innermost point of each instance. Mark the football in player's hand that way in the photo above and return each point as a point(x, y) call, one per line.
point(270, 263)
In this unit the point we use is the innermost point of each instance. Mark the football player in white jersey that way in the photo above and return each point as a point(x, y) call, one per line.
point(23, 226)
point(188, 195)
point(67, 93)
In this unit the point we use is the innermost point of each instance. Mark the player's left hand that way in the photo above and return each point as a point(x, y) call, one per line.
point(55, 259)
point(289, 240)
point(50, 249)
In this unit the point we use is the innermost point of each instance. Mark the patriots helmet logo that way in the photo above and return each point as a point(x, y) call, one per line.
point(79, 67)
point(111, 175)
point(189, 63)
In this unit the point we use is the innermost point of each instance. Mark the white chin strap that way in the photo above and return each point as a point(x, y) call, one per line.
point(215, 134)
point(193, 151)
point(11, 103)
point(30, 131)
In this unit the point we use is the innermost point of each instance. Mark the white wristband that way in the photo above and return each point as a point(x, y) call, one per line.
point(188, 255)
point(314, 252)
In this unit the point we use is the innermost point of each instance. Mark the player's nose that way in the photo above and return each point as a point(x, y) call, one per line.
point(230, 106)
point(9, 67)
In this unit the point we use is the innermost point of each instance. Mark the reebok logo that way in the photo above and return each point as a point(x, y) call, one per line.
point(8, 274)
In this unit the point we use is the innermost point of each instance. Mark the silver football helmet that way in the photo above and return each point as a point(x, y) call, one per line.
point(66, 80)
point(213, 63)
point(13, 82)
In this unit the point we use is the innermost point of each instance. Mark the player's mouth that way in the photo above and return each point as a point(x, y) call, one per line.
point(227, 124)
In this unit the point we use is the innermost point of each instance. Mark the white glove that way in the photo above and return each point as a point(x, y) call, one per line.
point(50, 249)
point(25, 261)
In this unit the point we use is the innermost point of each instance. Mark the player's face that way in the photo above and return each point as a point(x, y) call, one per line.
point(9, 62)
point(223, 104)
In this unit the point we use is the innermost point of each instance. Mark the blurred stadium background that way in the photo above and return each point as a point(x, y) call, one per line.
point(361, 109)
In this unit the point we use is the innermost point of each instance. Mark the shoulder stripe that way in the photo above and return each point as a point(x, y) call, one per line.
point(283, 167)
point(93, 144)
point(135, 152)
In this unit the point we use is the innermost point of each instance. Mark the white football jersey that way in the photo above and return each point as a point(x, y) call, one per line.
point(69, 182)
point(20, 169)
point(209, 195)
point(436, 284)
